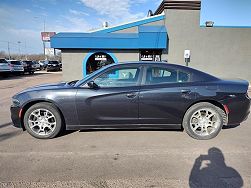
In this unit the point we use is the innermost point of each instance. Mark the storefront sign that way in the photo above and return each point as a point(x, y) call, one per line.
point(100, 58)
point(46, 36)
point(146, 57)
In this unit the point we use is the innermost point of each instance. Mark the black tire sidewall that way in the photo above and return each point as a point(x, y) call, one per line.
point(192, 110)
point(52, 109)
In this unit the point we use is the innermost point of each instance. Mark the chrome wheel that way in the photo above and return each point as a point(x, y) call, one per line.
point(42, 122)
point(205, 121)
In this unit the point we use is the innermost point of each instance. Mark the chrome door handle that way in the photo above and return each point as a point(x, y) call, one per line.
point(185, 91)
point(131, 95)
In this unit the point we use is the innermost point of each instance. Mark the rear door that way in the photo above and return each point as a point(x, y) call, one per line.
point(115, 102)
point(164, 95)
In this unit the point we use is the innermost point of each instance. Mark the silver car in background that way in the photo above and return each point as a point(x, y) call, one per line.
point(5, 68)
point(16, 67)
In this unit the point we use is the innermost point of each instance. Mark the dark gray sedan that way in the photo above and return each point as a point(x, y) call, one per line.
point(147, 95)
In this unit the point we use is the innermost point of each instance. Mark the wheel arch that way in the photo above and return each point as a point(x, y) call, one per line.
point(213, 102)
point(33, 102)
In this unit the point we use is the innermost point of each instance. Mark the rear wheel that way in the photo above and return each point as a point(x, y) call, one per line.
point(43, 120)
point(203, 121)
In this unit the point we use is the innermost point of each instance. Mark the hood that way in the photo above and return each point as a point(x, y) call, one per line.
point(46, 87)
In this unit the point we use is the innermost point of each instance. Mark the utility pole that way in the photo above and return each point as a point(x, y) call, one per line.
point(25, 50)
point(9, 49)
point(44, 42)
point(36, 17)
point(19, 42)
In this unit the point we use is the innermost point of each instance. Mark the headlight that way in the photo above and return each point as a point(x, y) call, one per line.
point(15, 102)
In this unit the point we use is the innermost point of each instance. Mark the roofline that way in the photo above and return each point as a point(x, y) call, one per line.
point(178, 5)
point(131, 24)
point(227, 26)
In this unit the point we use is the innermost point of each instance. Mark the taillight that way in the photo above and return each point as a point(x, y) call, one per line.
point(226, 109)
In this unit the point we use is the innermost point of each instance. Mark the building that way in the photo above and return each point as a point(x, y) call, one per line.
point(164, 36)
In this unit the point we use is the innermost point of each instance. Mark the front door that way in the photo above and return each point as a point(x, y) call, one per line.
point(114, 102)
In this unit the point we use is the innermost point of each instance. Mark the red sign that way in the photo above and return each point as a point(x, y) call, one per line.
point(46, 36)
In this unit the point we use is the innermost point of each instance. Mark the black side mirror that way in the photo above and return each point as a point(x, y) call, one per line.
point(92, 85)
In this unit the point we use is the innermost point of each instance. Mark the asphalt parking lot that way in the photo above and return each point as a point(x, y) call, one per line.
point(118, 158)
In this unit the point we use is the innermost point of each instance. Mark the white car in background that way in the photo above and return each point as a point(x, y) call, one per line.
point(16, 67)
point(5, 68)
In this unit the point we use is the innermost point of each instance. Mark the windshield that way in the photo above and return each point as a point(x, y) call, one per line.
point(15, 62)
point(28, 62)
point(3, 61)
point(53, 62)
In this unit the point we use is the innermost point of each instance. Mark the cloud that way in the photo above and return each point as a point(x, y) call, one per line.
point(27, 10)
point(116, 11)
point(78, 13)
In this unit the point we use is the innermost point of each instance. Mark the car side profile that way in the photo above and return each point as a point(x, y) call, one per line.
point(136, 95)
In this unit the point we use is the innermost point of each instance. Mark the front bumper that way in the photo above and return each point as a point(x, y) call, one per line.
point(15, 110)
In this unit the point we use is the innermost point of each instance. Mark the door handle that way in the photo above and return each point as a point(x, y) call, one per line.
point(131, 95)
point(185, 91)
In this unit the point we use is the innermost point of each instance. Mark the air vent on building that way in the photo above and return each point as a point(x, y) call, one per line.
point(105, 24)
point(150, 13)
point(209, 23)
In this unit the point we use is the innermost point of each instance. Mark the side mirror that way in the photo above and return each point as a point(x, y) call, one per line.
point(92, 85)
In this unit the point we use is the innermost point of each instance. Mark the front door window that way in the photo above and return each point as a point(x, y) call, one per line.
point(119, 77)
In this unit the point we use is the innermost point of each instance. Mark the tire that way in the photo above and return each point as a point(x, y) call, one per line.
point(54, 119)
point(199, 118)
point(31, 72)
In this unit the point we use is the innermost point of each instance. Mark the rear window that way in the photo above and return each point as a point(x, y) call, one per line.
point(15, 62)
point(53, 62)
point(3, 61)
point(28, 62)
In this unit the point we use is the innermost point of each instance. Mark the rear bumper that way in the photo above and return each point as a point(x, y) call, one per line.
point(29, 69)
point(53, 68)
point(239, 109)
point(15, 110)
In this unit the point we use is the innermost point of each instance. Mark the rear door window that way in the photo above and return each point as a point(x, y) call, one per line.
point(158, 75)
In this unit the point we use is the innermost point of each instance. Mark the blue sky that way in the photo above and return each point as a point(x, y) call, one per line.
point(22, 20)
point(226, 12)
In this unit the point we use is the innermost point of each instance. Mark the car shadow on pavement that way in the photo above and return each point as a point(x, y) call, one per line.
point(16, 77)
point(5, 125)
point(128, 129)
point(9, 135)
point(230, 126)
point(65, 133)
point(211, 171)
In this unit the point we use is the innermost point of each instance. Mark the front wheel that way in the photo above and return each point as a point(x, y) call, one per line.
point(43, 120)
point(203, 121)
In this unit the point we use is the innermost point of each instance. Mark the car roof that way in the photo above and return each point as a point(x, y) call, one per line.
point(158, 63)
point(169, 65)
